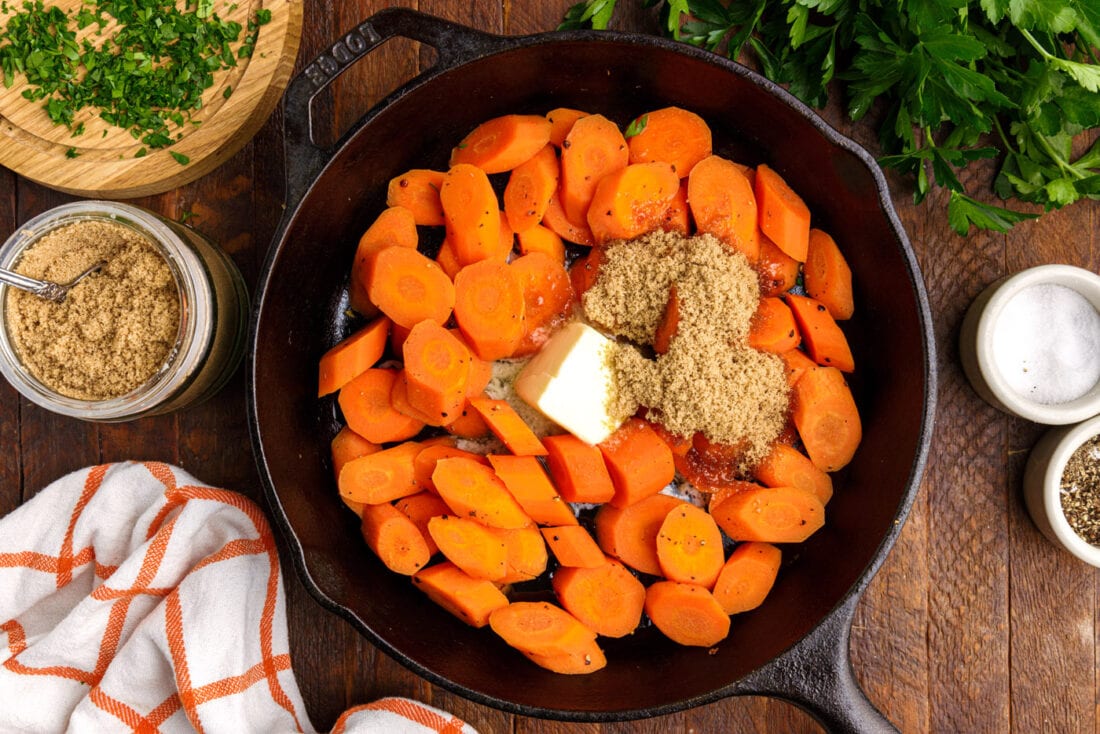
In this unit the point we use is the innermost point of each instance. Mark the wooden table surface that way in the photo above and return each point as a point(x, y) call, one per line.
point(975, 622)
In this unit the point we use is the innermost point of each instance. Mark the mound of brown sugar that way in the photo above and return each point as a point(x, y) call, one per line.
point(710, 379)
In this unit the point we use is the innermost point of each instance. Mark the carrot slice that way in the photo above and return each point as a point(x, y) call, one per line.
point(529, 189)
point(824, 340)
point(639, 462)
point(826, 417)
point(828, 277)
point(671, 135)
point(447, 259)
point(381, 477)
point(722, 204)
point(584, 271)
point(784, 217)
point(365, 403)
point(468, 424)
point(352, 356)
point(556, 220)
point(501, 144)
point(437, 366)
point(420, 508)
point(669, 324)
point(583, 658)
point(776, 270)
point(547, 298)
point(409, 287)
point(628, 202)
point(578, 469)
point(525, 554)
point(347, 445)
point(796, 363)
point(769, 514)
point(395, 539)
point(506, 425)
point(527, 481)
point(471, 212)
point(472, 490)
point(418, 191)
point(394, 227)
point(747, 577)
point(593, 148)
point(573, 546)
point(561, 122)
point(489, 308)
point(607, 599)
point(540, 239)
point(773, 328)
point(399, 399)
point(689, 546)
point(686, 613)
point(786, 466)
point(471, 600)
point(425, 462)
point(677, 218)
point(538, 628)
point(470, 545)
point(630, 533)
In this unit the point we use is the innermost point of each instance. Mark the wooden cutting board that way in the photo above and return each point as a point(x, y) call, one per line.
point(101, 163)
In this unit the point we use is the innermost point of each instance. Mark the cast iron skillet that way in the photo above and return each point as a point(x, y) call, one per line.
point(795, 646)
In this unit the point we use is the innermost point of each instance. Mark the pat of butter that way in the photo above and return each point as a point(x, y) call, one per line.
point(570, 382)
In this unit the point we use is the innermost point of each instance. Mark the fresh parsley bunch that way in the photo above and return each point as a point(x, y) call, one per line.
point(958, 81)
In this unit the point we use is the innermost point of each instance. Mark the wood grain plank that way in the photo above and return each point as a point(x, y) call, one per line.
point(11, 467)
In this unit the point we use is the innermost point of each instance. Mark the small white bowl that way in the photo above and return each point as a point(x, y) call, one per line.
point(1043, 486)
point(976, 345)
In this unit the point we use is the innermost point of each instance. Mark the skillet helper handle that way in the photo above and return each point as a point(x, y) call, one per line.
point(816, 675)
point(304, 158)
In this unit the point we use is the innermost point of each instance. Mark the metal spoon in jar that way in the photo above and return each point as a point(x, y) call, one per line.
point(55, 292)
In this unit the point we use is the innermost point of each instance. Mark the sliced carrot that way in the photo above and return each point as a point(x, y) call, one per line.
point(468, 424)
point(784, 217)
point(547, 298)
point(828, 277)
point(584, 657)
point(507, 241)
point(722, 204)
point(584, 271)
point(678, 445)
point(578, 469)
point(395, 539)
point(529, 189)
point(573, 546)
point(418, 191)
point(796, 363)
point(525, 554)
point(669, 324)
point(470, 545)
point(607, 599)
point(631, 201)
point(776, 270)
point(786, 466)
point(471, 600)
point(501, 144)
point(677, 218)
point(489, 308)
point(773, 328)
point(630, 533)
point(561, 122)
point(437, 366)
point(540, 239)
point(365, 403)
point(472, 214)
point(686, 613)
point(689, 546)
point(527, 481)
point(399, 399)
point(671, 135)
point(409, 287)
point(770, 514)
point(420, 508)
point(425, 462)
point(538, 628)
point(639, 462)
point(347, 445)
point(381, 477)
point(506, 425)
point(747, 577)
point(826, 417)
point(352, 356)
point(395, 226)
point(593, 148)
point(556, 220)
point(473, 491)
point(824, 340)
point(447, 259)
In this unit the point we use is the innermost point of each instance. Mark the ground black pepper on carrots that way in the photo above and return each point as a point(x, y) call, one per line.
point(1081, 491)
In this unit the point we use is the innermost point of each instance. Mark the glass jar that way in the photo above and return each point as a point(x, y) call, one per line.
point(213, 315)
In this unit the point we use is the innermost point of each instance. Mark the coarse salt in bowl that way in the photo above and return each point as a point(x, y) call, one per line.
point(1030, 344)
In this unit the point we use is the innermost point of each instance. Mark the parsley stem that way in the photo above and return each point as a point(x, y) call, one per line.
point(1047, 56)
point(1063, 164)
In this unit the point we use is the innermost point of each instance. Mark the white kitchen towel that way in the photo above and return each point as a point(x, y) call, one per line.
point(134, 598)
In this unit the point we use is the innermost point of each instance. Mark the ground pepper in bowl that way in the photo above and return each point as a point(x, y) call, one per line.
point(1081, 491)
point(115, 330)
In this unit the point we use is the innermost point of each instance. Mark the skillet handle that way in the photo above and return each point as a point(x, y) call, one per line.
point(453, 43)
point(816, 675)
